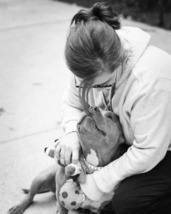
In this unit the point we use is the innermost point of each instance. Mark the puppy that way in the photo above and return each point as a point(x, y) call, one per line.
point(101, 139)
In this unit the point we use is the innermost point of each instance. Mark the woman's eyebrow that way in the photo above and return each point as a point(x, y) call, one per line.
point(100, 84)
point(104, 83)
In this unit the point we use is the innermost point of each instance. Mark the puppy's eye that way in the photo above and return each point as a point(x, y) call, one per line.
point(110, 117)
point(96, 109)
point(103, 133)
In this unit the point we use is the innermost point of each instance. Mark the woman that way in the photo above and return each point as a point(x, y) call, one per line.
point(116, 68)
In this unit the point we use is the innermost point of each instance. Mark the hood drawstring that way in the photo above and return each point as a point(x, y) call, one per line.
point(108, 102)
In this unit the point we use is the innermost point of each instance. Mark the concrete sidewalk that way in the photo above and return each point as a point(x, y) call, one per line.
point(32, 79)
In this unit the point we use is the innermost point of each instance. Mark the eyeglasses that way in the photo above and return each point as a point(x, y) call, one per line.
point(94, 86)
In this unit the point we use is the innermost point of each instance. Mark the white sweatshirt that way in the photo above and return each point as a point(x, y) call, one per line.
point(143, 103)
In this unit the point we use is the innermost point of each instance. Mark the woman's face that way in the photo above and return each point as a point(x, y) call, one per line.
point(104, 80)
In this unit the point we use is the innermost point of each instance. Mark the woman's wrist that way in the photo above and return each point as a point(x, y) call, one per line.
point(90, 188)
point(67, 133)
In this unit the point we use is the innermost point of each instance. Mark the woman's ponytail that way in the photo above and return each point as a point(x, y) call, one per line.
point(101, 11)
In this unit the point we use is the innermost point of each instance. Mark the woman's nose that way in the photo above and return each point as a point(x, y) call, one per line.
point(99, 89)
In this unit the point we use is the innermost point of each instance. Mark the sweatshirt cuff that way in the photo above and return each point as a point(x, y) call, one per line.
point(90, 188)
point(71, 127)
point(105, 183)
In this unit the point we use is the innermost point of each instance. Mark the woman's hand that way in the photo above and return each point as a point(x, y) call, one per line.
point(67, 149)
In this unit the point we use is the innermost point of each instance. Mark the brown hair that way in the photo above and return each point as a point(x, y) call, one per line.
point(93, 45)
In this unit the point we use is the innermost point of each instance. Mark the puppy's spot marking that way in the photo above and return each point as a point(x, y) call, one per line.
point(64, 194)
point(63, 203)
point(93, 158)
point(73, 203)
point(76, 192)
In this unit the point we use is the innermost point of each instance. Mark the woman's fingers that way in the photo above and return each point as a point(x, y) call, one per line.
point(62, 156)
point(75, 156)
point(67, 149)
point(57, 151)
point(68, 154)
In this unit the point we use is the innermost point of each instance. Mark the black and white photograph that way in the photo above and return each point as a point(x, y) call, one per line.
point(85, 106)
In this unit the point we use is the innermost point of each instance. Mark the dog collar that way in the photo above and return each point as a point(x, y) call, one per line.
point(90, 166)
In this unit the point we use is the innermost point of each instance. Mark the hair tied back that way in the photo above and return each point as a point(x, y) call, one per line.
point(102, 11)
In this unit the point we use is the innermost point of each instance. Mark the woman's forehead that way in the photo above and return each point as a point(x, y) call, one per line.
point(103, 78)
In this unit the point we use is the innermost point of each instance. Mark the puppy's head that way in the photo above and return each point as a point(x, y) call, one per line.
point(101, 136)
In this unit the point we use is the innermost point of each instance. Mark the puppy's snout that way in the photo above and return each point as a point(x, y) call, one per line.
point(91, 108)
point(96, 109)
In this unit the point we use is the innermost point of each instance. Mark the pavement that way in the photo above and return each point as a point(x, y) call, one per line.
point(33, 76)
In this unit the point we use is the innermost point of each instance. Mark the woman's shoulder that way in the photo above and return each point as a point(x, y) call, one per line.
point(154, 63)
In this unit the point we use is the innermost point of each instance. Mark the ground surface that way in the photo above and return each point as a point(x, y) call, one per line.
point(32, 78)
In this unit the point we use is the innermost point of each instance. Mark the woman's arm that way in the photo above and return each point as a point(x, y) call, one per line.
point(67, 149)
point(151, 123)
point(71, 107)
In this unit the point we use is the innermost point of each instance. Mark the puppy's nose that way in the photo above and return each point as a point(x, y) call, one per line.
point(96, 109)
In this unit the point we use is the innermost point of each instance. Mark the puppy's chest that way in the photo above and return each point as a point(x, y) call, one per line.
point(91, 157)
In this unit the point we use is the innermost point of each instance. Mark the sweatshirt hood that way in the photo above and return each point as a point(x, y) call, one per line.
point(135, 42)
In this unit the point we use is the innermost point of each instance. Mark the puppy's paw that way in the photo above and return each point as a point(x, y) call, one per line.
point(16, 210)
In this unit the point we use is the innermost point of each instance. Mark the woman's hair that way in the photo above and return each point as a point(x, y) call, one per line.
point(93, 46)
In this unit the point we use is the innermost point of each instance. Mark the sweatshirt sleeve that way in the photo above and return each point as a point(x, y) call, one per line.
point(71, 107)
point(150, 119)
